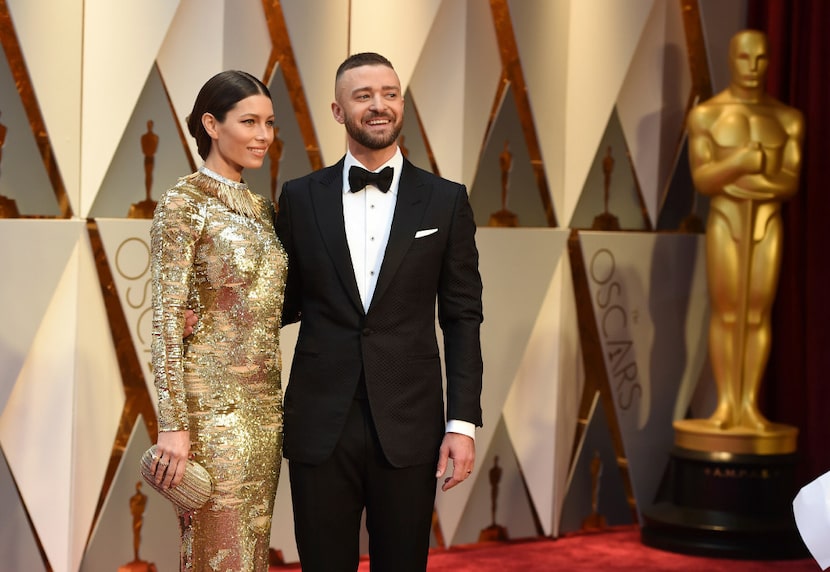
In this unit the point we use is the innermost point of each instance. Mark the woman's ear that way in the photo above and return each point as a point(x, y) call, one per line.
point(209, 123)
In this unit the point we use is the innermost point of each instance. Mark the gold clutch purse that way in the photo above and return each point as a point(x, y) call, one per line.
point(190, 494)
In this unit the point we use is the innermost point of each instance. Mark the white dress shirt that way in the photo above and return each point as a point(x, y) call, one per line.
point(368, 220)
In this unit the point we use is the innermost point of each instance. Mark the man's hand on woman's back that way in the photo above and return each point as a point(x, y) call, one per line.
point(190, 321)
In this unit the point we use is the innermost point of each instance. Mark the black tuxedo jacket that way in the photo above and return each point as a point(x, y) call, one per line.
point(394, 343)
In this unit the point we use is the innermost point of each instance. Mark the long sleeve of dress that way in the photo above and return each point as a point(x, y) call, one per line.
point(174, 233)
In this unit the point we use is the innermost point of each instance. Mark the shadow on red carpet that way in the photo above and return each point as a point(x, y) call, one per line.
point(616, 548)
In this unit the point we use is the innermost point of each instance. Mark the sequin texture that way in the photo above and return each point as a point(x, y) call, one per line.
point(214, 250)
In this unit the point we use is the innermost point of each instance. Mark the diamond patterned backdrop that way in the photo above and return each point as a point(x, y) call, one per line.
point(562, 84)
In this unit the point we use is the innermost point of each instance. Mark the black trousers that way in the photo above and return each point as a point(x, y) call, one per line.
point(329, 499)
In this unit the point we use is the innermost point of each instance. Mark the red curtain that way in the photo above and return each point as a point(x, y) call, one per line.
point(796, 389)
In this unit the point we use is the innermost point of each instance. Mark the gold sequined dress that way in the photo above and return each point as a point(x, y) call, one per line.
point(214, 250)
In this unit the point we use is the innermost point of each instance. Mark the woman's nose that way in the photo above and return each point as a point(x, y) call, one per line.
point(264, 132)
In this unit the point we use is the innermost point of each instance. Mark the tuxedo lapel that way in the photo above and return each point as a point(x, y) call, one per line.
point(413, 197)
point(326, 196)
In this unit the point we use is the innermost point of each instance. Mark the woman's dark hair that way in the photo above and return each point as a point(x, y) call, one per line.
point(218, 96)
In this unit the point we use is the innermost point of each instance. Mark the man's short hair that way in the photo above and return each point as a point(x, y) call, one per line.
point(362, 59)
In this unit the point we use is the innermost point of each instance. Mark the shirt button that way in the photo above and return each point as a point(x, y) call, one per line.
point(371, 273)
point(366, 331)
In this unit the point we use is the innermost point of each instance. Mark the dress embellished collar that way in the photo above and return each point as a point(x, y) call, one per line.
point(233, 194)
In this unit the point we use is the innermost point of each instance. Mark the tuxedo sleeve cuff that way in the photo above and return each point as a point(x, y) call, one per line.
point(463, 427)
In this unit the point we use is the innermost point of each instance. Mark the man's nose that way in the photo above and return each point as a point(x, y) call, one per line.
point(377, 101)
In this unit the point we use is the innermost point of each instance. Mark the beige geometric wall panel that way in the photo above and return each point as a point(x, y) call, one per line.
point(396, 42)
point(642, 286)
point(480, 88)
point(320, 44)
point(55, 69)
point(623, 199)
point(584, 93)
point(591, 91)
point(540, 410)
point(607, 483)
point(511, 333)
point(125, 183)
point(246, 51)
point(27, 288)
point(191, 53)
point(500, 476)
point(440, 89)
point(121, 40)
point(98, 400)
point(652, 102)
point(38, 416)
point(542, 32)
point(527, 196)
point(454, 102)
point(111, 541)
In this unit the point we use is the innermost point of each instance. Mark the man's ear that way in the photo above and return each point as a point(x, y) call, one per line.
point(337, 112)
point(209, 123)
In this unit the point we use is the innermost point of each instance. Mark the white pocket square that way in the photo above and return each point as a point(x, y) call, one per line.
point(425, 232)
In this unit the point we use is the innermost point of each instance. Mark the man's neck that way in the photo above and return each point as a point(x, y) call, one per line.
point(372, 158)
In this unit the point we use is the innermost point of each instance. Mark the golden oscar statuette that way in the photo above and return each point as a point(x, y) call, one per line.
point(138, 502)
point(504, 217)
point(149, 146)
point(605, 220)
point(731, 477)
point(595, 520)
point(494, 532)
point(745, 154)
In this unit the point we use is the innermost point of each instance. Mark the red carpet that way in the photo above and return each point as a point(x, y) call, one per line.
point(614, 549)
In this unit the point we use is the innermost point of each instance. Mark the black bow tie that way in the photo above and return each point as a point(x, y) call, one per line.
point(360, 178)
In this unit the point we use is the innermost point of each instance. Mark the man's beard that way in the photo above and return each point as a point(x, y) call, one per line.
point(372, 140)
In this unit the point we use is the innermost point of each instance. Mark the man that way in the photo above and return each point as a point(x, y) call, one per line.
point(744, 149)
point(364, 409)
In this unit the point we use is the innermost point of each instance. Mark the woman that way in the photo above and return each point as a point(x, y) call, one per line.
point(219, 397)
